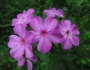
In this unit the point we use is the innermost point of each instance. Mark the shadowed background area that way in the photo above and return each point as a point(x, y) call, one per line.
point(77, 58)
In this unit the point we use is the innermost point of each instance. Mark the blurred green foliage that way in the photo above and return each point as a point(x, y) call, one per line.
point(77, 58)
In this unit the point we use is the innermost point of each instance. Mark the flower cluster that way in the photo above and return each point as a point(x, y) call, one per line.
point(43, 31)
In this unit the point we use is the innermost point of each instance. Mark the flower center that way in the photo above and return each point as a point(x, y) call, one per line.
point(68, 32)
point(22, 18)
point(22, 41)
point(43, 33)
point(53, 11)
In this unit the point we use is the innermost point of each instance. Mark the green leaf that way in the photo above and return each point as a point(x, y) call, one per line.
point(82, 52)
point(69, 1)
point(69, 65)
point(44, 57)
point(83, 61)
point(79, 2)
point(69, 57)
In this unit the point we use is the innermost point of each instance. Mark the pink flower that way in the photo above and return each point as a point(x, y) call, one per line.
point(45, 33)
point(69, 33)
point(23, 18)
point(22, 60)
point(52, 12)
point(21, 44)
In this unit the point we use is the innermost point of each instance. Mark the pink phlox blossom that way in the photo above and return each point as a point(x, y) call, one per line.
point(52, 12)
point(23, 18)
point(22, 60)
point(44, 33)
point(69, 33)
point(20, 44)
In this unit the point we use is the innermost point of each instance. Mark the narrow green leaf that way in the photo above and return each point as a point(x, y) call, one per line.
point(69, 65)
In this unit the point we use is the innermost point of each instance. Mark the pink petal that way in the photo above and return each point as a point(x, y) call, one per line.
point(28, 51)
point(13, 41)
point(15, 22)
point(24, 12)
point(17, 52)
point(45, 11)
point(36, 23)
point(30, 11)
point(29, 46)
point(49, 13)
point(75, 32)
point(73, 26)
point(29, 65)
point(75, 40)
point(66, 43)
point(44, 45)
point(50, 23)
point(53, 9)
point(20, 15)
point(21, 61)
point(52, 12)
point(55, 36)
point(28, 37)
point(28, 19)
point(60, 13)
point(20, 30)
point(66, 24)
point(61, 28)
point(36, 37)
point(34, 58)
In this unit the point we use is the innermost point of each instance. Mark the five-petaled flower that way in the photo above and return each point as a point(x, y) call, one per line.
point(69, 33)
point(52, 12)
point(45, 33)
point(23, 18)
point(21, 44)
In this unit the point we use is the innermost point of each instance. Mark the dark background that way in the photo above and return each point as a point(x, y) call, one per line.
point(77, 58)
